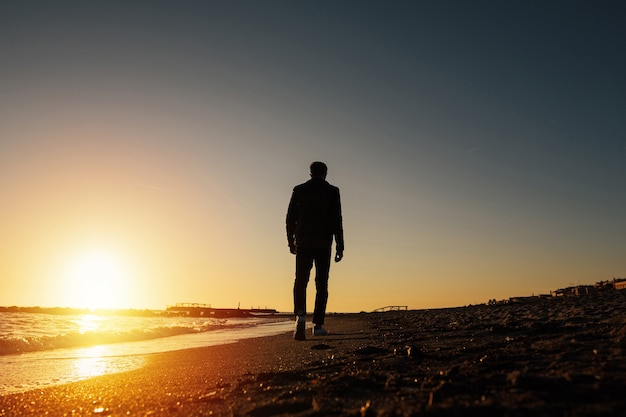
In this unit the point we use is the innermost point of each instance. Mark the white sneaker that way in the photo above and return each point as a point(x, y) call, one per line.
point(319, 331)
point(300, 332)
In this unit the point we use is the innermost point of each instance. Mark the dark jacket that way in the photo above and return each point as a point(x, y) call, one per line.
point(314, 215)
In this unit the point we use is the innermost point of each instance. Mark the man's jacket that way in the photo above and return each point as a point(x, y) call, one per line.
point(314, 215)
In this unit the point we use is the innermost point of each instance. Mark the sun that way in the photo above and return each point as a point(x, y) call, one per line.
point(99, 279)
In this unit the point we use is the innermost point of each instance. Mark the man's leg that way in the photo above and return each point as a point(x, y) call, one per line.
point(322, 268)
point(304, 263)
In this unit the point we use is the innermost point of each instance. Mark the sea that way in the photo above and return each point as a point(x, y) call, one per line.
point(41, 350)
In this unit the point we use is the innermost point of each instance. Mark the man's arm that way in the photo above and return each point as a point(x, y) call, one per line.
point(292, 216)
point(338, 229)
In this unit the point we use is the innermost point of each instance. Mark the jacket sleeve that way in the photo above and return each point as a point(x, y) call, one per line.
point(338, 224)
point(292, 216)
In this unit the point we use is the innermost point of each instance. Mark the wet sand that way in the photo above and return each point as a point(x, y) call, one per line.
point(549, 357)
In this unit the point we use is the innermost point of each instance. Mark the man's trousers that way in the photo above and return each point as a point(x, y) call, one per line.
point(305, 258)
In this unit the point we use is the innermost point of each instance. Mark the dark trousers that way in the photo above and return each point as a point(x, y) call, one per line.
point(305, 258)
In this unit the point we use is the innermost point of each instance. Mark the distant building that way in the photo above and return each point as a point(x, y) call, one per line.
point(615, 284)
point(572, 291)
point(619, 283)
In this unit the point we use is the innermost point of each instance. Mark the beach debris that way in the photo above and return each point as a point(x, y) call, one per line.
point(513, 377)
point(431, 395)
point(315, 405)
point(403, 351)
point(365, 408)
point(369, 350)
point(209, 397)
point(321, 346)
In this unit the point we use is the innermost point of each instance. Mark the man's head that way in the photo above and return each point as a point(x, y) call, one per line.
point(318, 170)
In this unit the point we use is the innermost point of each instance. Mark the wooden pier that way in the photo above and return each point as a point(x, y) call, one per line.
point(391, 308)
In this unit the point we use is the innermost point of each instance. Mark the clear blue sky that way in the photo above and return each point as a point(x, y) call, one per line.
point(480, 148)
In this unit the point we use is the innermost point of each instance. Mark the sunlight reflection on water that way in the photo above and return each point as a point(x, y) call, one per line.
point(94, 363)
point(88, 323)
point(31, 371)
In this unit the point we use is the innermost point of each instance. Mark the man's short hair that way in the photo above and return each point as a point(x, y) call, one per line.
point(318, 169)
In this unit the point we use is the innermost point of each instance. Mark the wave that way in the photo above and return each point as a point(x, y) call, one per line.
point(10, 345)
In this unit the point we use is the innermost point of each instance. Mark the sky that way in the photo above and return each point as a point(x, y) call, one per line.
point(148, 149)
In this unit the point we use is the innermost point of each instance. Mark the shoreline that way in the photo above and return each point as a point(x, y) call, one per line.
point(555, 357)
point(48, 368)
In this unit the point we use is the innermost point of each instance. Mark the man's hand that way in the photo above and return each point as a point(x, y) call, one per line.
point(339, 256)
point(292, 249)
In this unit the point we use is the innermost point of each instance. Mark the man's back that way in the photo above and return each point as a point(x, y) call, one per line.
point(314, 214)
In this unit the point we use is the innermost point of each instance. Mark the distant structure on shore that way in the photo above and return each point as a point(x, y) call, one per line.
point(615, 284)
point(205, 310)
point(391, 308)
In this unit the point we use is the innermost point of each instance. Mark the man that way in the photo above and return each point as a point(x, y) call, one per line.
point(313, 219)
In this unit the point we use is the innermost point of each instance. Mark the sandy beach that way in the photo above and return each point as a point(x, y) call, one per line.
point(547, 357)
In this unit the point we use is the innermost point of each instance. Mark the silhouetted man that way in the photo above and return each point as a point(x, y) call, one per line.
point(313, 219)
